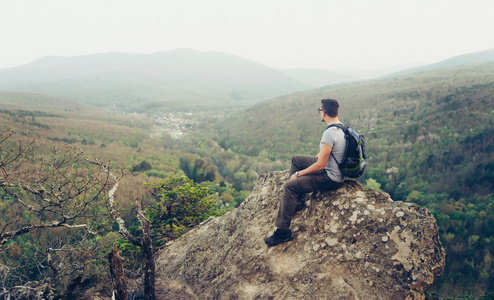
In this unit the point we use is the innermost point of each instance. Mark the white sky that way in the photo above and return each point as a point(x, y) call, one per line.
point(329, 34)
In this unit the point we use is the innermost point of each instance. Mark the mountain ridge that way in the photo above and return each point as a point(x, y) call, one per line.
point(132, 81)
point(180, 79)
point(464, 59)
point(324, 77)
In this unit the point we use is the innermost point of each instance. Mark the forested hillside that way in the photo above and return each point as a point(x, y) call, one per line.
point(170, 81)
point(430, 137)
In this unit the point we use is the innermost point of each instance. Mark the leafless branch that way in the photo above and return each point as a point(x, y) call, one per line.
point(122, 228)
point(145, 242)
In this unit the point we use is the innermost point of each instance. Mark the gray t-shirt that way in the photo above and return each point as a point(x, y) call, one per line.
point(335, 138)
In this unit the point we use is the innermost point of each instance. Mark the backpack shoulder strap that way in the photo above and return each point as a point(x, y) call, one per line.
point(339, 125)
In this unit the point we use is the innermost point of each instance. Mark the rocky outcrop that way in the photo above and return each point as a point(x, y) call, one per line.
point(349, 244)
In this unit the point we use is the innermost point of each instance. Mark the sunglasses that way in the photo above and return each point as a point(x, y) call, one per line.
point(319, 109)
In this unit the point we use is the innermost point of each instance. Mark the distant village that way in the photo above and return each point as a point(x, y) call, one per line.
point(175, 124)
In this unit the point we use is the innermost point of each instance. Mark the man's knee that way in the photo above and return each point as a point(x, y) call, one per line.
point(303, 161)
point(290, 186)
point(292, 191)
point(294, 158)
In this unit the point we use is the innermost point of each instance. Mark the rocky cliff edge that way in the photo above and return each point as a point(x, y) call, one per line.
point(350, 243)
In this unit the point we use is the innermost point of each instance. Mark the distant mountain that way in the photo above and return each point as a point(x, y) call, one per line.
point(323, 77)
point(465, 59)
point(375, 73)
point(318, 77)
point(364, 74)
point(177, 79)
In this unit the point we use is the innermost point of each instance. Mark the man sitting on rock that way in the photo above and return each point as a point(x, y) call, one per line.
point(311, 173)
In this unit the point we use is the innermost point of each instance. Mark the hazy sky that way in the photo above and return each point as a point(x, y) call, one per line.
point(329, 34)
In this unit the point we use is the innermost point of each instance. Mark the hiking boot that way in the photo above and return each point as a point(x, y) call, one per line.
point(300, 206)
point(278, 237)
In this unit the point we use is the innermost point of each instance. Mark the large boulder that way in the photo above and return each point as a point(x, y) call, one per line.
point(350, 243)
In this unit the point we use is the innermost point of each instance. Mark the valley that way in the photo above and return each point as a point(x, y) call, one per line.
point(430, 137)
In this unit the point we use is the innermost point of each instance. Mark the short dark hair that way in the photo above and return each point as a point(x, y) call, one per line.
point(330, 107)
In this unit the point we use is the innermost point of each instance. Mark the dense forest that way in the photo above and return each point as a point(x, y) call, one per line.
point(430, 137)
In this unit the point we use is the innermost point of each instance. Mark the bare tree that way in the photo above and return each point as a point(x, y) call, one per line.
point(40, 191)
point(59, 189)
point(144, 241)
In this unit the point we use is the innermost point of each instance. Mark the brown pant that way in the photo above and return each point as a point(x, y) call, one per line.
point(294, 190)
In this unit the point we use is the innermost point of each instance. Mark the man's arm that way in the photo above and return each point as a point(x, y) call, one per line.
point(322, 160)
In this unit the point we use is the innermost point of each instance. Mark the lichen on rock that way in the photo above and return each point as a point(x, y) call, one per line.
point(350, 243)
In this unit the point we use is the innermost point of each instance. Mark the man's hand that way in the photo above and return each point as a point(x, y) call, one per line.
point(293, 177)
